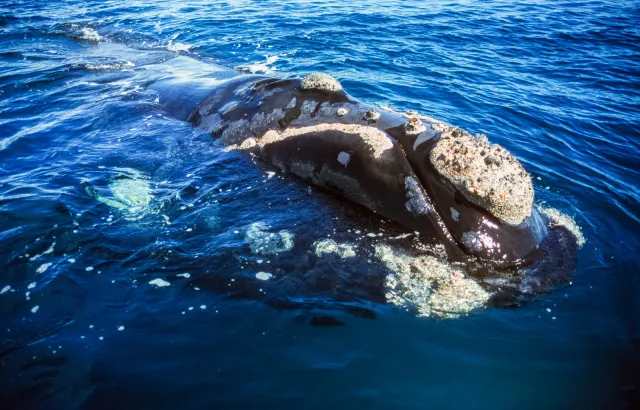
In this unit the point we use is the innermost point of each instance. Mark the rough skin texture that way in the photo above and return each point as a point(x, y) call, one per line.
point(378, 141)
point(320, 82)
point(487, 175)
point(429, 285)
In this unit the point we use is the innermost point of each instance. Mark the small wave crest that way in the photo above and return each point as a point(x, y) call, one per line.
point(104, 66)
point(178, 47)
point(89, 34)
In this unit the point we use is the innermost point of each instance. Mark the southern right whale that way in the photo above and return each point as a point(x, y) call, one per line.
point(470, 200)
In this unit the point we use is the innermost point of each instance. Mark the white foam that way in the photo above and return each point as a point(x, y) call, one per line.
point(159, 283)
point(87, 33)
point(178, 47)
point(50, 250)
point(42, 268)
point(31, 285)
point(263, 67)
point(5, 289)
point(35, 309)
point(263, 275)
point(184, 275)
point(329, 246)
point(262, 241)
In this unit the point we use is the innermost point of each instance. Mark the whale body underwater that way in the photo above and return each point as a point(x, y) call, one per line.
point(470, 202)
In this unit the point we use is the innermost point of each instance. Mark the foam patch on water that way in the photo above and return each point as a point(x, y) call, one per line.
point(329, 246)
point(89, 34)
point(178, 47)
point(43, 268)
point(259, 68)
point(262, 241)
point(116, 65)
point(558, 218)
point(429, 285)
point(161, 283)
point(263, 275)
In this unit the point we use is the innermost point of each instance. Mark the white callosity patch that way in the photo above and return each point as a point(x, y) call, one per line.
point(558, 218)
point(238, 131)
point(487, 175)
point(371, 115)
point(161, 283)
point(377, 140)
point(320, 82)
point(263, 275)
point(431, 286)
point(245, 145)
point(414, 126)
point(329, 246)
point(262, 241)
point(344, 158)
point(342, 111)
point(291, 104)
point(416, 201)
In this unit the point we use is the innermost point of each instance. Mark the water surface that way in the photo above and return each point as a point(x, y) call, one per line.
point(101, 192)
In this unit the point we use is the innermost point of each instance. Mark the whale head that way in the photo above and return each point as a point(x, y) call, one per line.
point(483, 194)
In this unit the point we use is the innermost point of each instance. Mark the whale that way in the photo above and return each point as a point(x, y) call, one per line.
point(470, 201)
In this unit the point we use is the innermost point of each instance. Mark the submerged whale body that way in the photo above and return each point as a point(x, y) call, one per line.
point(471, 201)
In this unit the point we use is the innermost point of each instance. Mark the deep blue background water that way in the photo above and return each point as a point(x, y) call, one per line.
point(555, 82)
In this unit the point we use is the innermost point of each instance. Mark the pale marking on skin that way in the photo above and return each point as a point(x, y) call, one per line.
point(377, 140)
point(344, 158)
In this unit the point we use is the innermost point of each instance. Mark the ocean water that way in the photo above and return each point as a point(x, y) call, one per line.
point(103, 192)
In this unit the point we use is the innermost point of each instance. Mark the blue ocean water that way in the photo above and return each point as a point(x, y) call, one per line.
point(555, 82)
